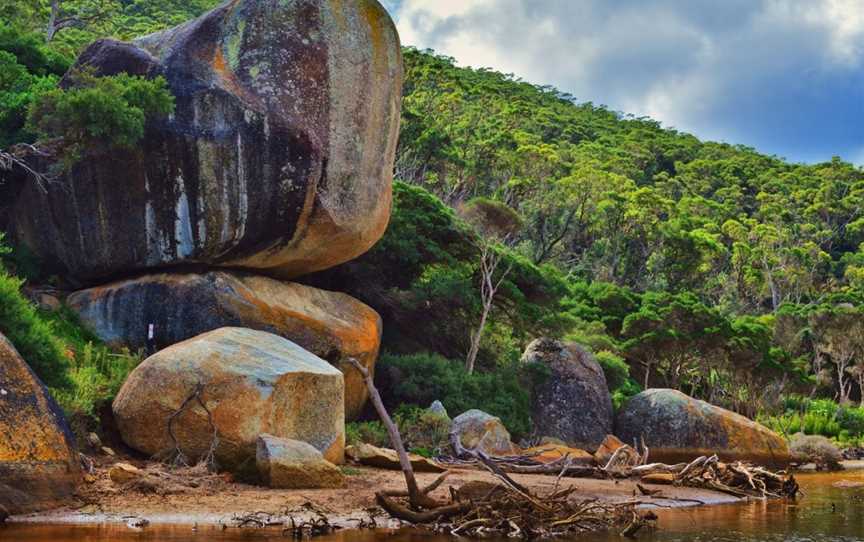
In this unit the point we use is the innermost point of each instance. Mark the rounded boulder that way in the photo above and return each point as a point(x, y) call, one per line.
point(278, 156)
point(679, 428)
point(239, 383)
point(573, 402)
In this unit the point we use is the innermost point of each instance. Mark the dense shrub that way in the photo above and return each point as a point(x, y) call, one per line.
point(32, 335)
point(99, 113)
point(823, 417)
point(81, 372)
point(420, 379)
point(373, 433)
point(614, 368)
point(423, 432)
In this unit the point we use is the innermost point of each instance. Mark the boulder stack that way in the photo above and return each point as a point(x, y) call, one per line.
point(179, 306)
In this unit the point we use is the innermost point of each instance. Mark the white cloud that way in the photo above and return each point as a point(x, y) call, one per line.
point(722, 69)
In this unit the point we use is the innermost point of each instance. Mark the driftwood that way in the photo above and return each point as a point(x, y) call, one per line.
point(738, 479)
point(503, 509)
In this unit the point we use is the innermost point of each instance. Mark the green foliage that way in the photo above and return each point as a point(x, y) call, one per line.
point(420, 379)
point(424, 432)
point(615, 369)
point(81, 372)
point(844, 424)
point(99, 113)
point(27, 69)
point(373, 433)
point(31, 334)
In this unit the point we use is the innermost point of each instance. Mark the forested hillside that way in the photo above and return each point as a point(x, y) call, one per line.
point(734, 276)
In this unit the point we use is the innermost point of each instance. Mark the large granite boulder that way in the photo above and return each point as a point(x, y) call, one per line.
point(573, 403)
point(252, 382)
point(292, 464)
point(39, 466)
point(279, 155)
point(331, 325)
point(678, 428)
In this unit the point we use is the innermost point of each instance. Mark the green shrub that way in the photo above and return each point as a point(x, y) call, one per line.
point(32, 335)
point(844, 424)
point(424, 432)
point(81, 372)
point(614, 367)
point(373, 433)
point(420, 379)
point(99, 113)
point(624, 392)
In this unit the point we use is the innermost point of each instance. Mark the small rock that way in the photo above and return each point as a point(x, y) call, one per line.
point(123, 473)
point(385, 458)
point(661, 478)
point(550, 453)
point(847, 484)
point(94, 441)
point(437, 407)
point(89, 479)
point(608, 447)
point(107, 451)
point(292, 464)
point(479, 430)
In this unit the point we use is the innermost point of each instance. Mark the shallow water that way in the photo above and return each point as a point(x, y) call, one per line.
point(826, 514)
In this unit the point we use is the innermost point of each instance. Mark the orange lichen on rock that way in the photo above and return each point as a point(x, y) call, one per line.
point(678, 428)
point(550, 453)
point(38, 463)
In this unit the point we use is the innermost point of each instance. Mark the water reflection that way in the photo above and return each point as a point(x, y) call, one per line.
point(827, 514)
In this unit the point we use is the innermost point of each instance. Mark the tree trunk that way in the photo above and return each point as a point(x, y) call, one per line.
point(51, 29)
point(476, 337)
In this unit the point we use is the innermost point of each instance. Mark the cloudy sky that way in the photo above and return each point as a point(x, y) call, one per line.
point(785, 76)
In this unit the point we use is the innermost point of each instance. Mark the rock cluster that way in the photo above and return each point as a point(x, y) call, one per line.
point(276, 162)
point(331, 325)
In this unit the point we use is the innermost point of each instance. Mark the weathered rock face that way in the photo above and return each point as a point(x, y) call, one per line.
point(679, 428)
point(331, 325)
point(573, 404)
point(251, 381)
point(292, 464)
point(481, 431)
point(39, 465)
point(279, 155)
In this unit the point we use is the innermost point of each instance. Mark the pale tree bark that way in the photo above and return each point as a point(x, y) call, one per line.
point(59, 20)
point(490, 260)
